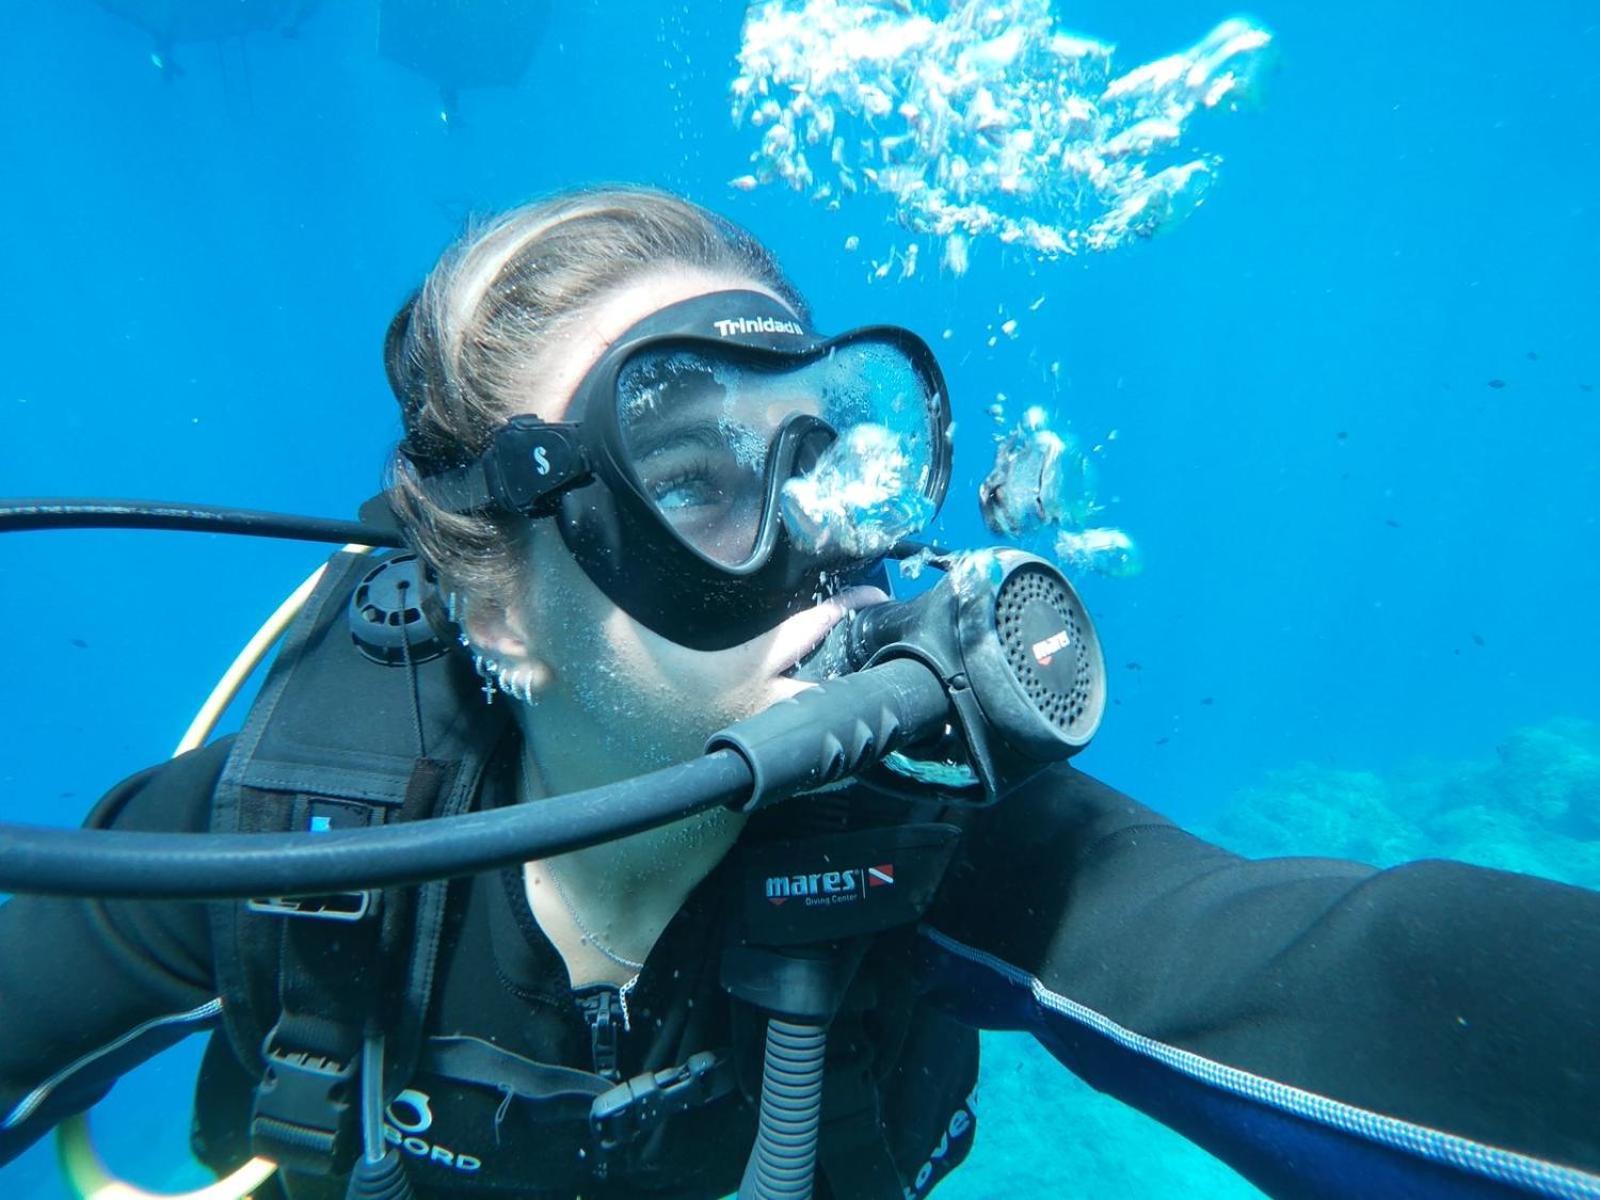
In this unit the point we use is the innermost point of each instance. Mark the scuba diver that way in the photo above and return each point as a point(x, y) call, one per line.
point(773, 989)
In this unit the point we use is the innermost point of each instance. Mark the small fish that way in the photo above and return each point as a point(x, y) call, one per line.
point(1586, 387)
point(1497, 384)
point(1533, 356)
point(1161, 741)
point(1133, 666)
point(1343, 435)
point(80, 643)
point(1477, 640)
point(1208, 700)
point(66, 795)
point(1391, 523)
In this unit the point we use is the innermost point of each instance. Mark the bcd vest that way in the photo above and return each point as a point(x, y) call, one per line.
point(341, 736)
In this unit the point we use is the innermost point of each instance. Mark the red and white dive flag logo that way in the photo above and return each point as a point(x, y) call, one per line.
point(881, 875)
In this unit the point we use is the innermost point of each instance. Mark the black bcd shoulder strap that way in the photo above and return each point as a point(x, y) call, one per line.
point(340, 738)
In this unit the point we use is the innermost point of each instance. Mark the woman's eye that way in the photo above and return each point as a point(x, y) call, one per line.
point(685, 491)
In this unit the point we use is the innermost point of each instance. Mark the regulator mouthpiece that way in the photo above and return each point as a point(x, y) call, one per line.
point(1015, 648)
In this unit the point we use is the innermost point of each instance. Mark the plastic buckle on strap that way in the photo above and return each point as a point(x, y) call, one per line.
point(336, 906)
point(634, 1106)
point(304, 1116)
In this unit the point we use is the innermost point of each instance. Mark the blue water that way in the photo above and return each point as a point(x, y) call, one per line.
point(1367, 568)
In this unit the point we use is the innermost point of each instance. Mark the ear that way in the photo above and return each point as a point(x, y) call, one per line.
point(499, 638)
point(494, 629)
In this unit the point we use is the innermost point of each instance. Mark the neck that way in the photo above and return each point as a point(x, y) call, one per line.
point(619, 894)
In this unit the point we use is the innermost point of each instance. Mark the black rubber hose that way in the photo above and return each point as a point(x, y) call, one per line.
point(379, 1173)
point(382, 1180)
point(821, 735)
point(237, 866)
point(784, 1162)
point(71, 513)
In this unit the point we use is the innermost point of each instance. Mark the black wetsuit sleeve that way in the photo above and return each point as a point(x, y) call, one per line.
point(90, 988)
point(1451, 999)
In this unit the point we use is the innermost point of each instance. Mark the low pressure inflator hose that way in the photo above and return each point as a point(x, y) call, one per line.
point(784, 1162)
point(378, 1173)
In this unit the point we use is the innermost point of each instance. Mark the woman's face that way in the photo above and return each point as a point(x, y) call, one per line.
point(612, 698)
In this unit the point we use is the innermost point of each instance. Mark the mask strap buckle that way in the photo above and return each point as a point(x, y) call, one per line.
point(527, 467)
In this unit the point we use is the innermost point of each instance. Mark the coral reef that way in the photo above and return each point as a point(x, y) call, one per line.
point(1535, 808)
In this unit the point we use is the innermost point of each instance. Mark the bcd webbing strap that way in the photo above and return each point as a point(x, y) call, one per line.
point(336, 979)
point(621, 1116)
point(332, 987)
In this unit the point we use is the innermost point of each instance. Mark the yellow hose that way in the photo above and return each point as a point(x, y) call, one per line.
point(84, 1168)
point(87, 1175)
point(245, 663)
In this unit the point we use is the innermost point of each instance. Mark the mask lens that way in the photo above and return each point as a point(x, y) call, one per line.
point(873, 384)
point(698, 433)
point(699, 429)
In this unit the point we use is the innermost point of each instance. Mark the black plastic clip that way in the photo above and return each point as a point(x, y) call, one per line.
point(635, 1106)
point(304, 1116)
point(335, 906)
point(607, 1019)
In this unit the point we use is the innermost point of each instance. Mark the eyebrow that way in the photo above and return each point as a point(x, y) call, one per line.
point(653, 437)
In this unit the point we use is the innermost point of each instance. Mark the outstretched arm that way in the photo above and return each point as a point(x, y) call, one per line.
point(1327, 1028)
point(90, 988)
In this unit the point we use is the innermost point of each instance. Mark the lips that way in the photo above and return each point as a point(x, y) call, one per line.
point(804, 632)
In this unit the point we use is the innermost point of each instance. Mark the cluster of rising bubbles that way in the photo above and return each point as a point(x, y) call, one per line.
point(979, 118)
point(866, 493)
point(1043, 484)
point(1105, 551)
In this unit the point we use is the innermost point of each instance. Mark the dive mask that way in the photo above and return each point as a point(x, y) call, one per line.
point(667, 481)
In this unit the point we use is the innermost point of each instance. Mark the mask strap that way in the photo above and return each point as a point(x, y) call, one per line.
point(526, 468)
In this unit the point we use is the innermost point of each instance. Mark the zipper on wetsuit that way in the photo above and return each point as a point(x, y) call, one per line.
point(605, 1011)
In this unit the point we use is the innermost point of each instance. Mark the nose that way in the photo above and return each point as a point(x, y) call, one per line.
point(811, 443)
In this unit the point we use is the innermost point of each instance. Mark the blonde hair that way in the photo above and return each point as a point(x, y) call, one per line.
point(468, 344)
